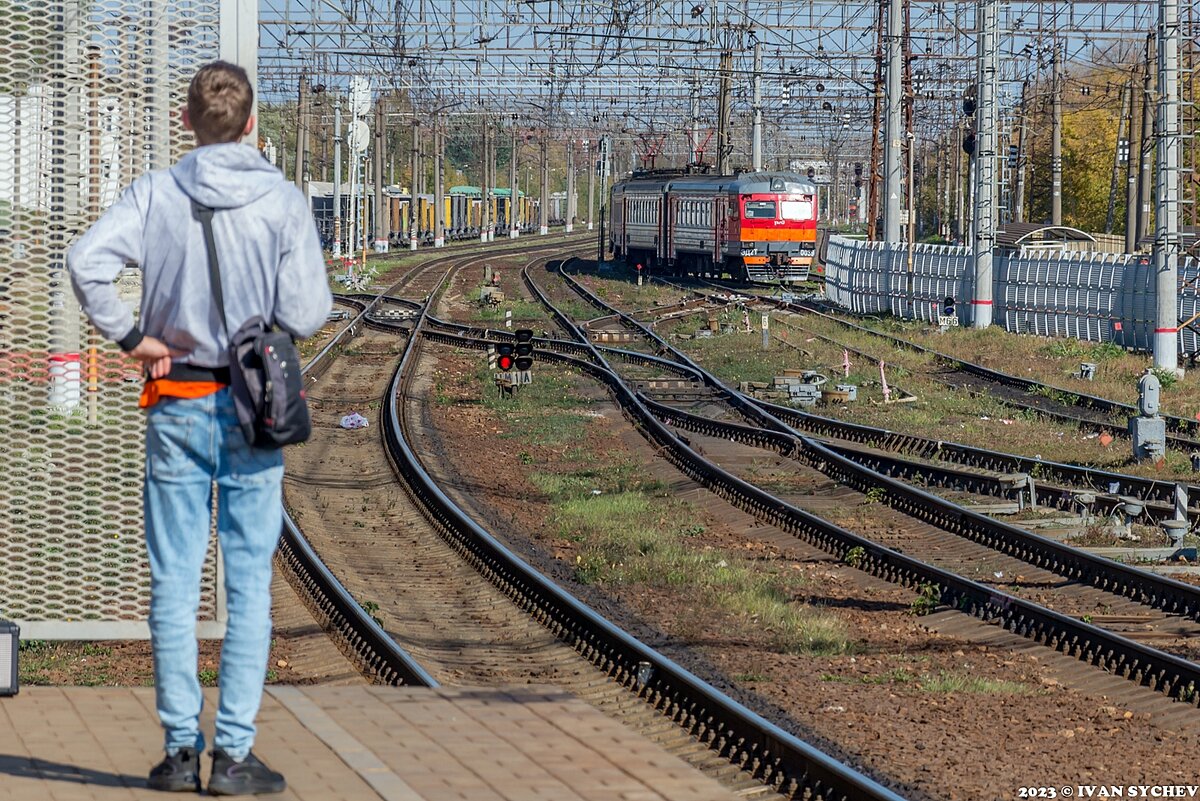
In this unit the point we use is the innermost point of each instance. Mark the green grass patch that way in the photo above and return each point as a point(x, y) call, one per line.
point(631, 532)
point(521, 310)
point(545, 412)
point(947, 682)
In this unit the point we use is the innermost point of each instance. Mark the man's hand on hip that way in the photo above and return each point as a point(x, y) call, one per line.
point(155, 356)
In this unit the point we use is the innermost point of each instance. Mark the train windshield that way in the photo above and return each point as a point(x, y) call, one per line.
point(760, 209)
point(798, 209)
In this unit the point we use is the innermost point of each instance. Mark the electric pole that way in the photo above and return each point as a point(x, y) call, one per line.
point(874, 177)
point(894, 132)
point(1143, 223)
point(591, 173)
point(544, 209)
point(723, 109)
point(337, 179)
point(1018, 213)
point(514, 200)
point(485, 219)
point(756, 143)
point(570, 210)
point(1121, 149)
point(985, 161)
point(439, 181)
point(416, 170)
point(1166, 217)
point(301, 133)
point(1132, 167)
point(381, 220)
point(1056, 175)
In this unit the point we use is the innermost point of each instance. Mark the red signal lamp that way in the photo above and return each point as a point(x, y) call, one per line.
point(505, 358)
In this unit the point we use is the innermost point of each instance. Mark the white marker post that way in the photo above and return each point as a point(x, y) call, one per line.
point(766, 332)
point(508, 318)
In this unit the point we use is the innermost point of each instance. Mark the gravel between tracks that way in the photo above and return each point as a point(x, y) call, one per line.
point(872, 707)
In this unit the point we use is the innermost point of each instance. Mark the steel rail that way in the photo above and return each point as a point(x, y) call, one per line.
point(371, 648)
point(1165, 673)
point(1176, 425)
point(906, 451)
point(777, 758)
point(1177, 677)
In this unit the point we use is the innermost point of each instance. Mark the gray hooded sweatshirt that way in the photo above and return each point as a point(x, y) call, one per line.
point(267, 246)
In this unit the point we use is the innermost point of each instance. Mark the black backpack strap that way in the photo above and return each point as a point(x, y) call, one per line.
point(205, 215)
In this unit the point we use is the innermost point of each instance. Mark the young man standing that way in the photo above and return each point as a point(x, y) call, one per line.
point(271, 265)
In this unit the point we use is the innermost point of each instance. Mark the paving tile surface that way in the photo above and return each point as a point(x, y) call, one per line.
point(352, 743)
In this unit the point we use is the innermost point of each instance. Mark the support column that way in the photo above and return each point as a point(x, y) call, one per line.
point(591, 172)
point(302, 134)
point(1018, 211)
point(413, 218)
point(1132, 167)
point(894, 126)
point(381, 218)
point(514, 206)
point(569, 211)
point(1056, 162)
point(1115, 179)
point(1144, 190)
point(756, 143)
point(544, 211)
point(985, 162)
point(238, 34)
point(439, 182)
point(485, 210)
point(1166, 215)
point(337, 178)
point(723, 106)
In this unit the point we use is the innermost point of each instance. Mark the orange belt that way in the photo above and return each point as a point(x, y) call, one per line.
point(157, 388)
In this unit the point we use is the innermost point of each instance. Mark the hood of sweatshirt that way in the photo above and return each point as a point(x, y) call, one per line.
point(225, 176)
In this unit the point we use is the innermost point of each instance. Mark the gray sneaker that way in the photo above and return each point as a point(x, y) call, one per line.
point(247, 777)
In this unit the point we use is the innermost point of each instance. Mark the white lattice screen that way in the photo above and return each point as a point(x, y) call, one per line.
point(89, 93)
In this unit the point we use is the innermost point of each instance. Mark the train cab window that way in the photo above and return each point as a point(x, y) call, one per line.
point(760, 209)
point(798, 209)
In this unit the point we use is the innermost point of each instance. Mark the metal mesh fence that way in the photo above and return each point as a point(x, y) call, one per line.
point(1098, 297)
point(88, 94)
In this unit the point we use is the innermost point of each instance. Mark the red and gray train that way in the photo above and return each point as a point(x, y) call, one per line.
point(759, 226)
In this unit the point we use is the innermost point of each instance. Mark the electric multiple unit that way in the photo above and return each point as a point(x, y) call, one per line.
point(758, 226)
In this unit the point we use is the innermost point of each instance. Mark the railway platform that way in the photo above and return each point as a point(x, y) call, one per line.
point(359, 743)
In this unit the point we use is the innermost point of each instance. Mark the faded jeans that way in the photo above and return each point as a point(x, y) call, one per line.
point(190, 443)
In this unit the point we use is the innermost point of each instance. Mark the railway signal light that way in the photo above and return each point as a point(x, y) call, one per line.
point(969, 144)
point(524, 349)
point(505, 356)
point(858, 169)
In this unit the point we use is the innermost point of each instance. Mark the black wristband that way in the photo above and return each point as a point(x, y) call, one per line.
point(131, 340)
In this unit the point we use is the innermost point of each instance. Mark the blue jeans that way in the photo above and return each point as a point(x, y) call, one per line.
point(190, 443)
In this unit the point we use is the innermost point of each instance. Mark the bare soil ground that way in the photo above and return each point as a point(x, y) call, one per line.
point(929, 714)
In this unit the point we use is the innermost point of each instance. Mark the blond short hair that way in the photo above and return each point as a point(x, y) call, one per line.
point(219, 102)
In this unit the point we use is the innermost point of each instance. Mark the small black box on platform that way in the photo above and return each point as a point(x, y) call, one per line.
point(10, 637)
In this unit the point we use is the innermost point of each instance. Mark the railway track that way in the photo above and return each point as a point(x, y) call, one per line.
point(1176, 677)
point(991, 472)
point(1089, 412)
point(469, 611)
